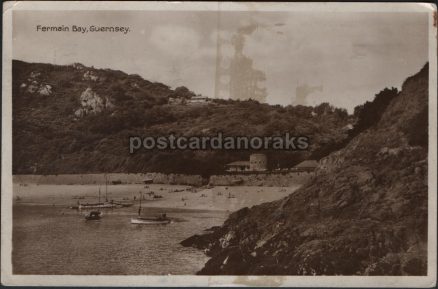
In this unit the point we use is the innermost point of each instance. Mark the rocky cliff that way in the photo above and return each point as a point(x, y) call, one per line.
point(365, 213)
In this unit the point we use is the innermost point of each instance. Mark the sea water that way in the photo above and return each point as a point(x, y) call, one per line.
point(50, 238)
point(57, 240)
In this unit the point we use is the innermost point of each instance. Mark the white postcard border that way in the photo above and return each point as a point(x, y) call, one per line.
point(7, 278)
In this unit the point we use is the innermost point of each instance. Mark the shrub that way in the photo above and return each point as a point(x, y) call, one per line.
point(417, 129)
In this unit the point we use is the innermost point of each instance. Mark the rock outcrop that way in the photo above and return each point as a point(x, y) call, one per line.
point(34, 85)
point(45, 89)
point(364, 214)
point(90, 75)
point(78, 66)
point(91, 102)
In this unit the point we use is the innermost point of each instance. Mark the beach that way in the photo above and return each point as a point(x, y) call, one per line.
point(171, 196)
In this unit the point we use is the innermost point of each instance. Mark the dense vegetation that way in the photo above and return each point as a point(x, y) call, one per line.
point(49, 138)
point(366, 116)
point(370, 112)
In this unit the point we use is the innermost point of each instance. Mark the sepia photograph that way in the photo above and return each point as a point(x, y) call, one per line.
point(219, 144)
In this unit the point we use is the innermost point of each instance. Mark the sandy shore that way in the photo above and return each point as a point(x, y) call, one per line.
point(172, 196)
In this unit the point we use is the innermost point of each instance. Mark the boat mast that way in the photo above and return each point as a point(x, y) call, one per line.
point(106, 188)
point(139, 207)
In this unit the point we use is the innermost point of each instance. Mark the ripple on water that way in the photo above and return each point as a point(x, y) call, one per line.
point(54, 240)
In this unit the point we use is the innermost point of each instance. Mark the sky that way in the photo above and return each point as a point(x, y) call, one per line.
point(352, 56)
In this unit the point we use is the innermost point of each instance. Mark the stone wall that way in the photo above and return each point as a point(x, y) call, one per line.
point(265, 179)
point(274, 179)
point(84, 179)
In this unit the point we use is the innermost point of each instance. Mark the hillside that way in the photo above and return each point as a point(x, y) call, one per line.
point(78, 119)
point(364, 214)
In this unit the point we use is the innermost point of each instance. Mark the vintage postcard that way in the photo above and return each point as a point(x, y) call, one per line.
point(219, 144)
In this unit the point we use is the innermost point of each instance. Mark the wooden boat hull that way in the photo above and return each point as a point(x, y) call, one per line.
point(98, 206)
point(146, 221)
point(93, 216)
point(123, 205)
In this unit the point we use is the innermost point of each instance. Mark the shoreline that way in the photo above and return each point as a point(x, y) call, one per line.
point(208, 198)
point(170, 209)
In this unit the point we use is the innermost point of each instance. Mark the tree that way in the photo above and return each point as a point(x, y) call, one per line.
point(324, 108)
point(182, 92)
point(370, 113)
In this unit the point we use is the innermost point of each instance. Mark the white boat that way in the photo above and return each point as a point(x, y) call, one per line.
point(139, 220)
point(150, 221)
point(98, 206)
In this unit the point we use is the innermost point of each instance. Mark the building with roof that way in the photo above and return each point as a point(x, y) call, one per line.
point(198, 99)
point(238, 166)
point(256, 163)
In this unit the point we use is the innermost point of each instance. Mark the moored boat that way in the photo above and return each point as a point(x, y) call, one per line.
point(102, 205)
point(93, 215)
point(150, 221)
point(139, 220)
point(99, 205)
point(123, 204)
